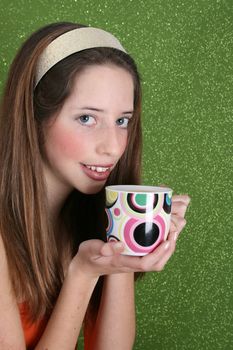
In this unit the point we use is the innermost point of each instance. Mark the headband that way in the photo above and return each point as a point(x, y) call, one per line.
point(73, 41)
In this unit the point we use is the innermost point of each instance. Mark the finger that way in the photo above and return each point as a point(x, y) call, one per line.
point(91, 247)
point(144, 263)
point(172, 236)
point(172, 227)
point(149, 261)
point(159, 266)
point(177, 223)
point(112, 248)
point(181, 198)
point(179, 208)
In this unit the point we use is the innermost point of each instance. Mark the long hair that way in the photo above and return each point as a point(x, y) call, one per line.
point(34, 252)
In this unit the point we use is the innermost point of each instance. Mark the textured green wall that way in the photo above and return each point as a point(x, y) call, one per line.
point(184, 53)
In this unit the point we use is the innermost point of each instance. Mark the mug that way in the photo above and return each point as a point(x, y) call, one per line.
point(138, 216)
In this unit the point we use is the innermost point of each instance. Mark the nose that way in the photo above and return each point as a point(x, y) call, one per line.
point(111, 142)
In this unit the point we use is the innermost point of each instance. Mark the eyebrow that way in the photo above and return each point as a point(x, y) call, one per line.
point(102, 110)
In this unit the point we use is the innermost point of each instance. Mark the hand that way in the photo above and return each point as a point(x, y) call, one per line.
point(179, 206)
point(157, 260)
point(96, 258)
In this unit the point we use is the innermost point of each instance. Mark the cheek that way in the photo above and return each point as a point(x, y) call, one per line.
point(62, 142)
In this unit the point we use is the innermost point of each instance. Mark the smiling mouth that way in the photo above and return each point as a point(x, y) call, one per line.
point(99, 169)
point(97, 172)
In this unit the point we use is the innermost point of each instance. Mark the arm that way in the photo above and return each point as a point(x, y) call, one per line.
point(93, 259)
point(115, 325)
point(66, 320)
point(64, 325)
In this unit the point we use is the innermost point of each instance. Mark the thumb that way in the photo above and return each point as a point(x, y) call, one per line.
point(112, 248)
point(91, 247)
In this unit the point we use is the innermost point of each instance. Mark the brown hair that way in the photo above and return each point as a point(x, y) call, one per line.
point(33, 252)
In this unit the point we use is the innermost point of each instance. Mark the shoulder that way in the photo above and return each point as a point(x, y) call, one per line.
point(11, 333)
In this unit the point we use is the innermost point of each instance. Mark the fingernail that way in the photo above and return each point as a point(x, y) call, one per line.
point(175, 236)
point(167, 244)
point(118, 245)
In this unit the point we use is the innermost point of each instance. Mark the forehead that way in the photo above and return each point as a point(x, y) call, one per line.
point(103, 82)
point(102, 71)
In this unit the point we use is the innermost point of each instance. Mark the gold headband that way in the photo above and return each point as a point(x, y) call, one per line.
point(73, 41)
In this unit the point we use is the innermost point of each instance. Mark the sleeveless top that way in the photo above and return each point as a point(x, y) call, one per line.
point(32, 331)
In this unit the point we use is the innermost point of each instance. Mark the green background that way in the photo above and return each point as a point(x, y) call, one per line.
point(184, 53)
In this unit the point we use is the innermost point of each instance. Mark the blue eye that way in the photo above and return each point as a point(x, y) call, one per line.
point(123, 122)
point(86, 119)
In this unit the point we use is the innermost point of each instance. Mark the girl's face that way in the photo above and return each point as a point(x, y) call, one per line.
point(85, 140)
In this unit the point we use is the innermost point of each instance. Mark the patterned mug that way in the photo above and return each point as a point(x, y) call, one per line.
point(139, 216)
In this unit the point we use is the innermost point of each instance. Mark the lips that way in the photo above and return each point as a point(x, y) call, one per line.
point(97, 172)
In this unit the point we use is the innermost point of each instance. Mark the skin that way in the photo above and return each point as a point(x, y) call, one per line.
point(91, 128)
point(107, 91)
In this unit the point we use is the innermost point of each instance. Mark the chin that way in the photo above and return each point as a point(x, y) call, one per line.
point(92, 189)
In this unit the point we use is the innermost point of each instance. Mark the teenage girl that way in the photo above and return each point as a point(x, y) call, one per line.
point(69, 125)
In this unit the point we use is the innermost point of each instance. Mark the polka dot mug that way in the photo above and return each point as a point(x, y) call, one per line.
point(139, 216)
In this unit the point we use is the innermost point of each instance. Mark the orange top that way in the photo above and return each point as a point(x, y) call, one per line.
point(32, 331)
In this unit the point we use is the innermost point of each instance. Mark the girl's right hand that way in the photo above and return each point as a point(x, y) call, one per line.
point(96, 258)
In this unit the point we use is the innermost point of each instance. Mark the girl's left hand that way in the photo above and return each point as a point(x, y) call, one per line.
point(96, 258)
point(156, 260)
point(179, 206)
